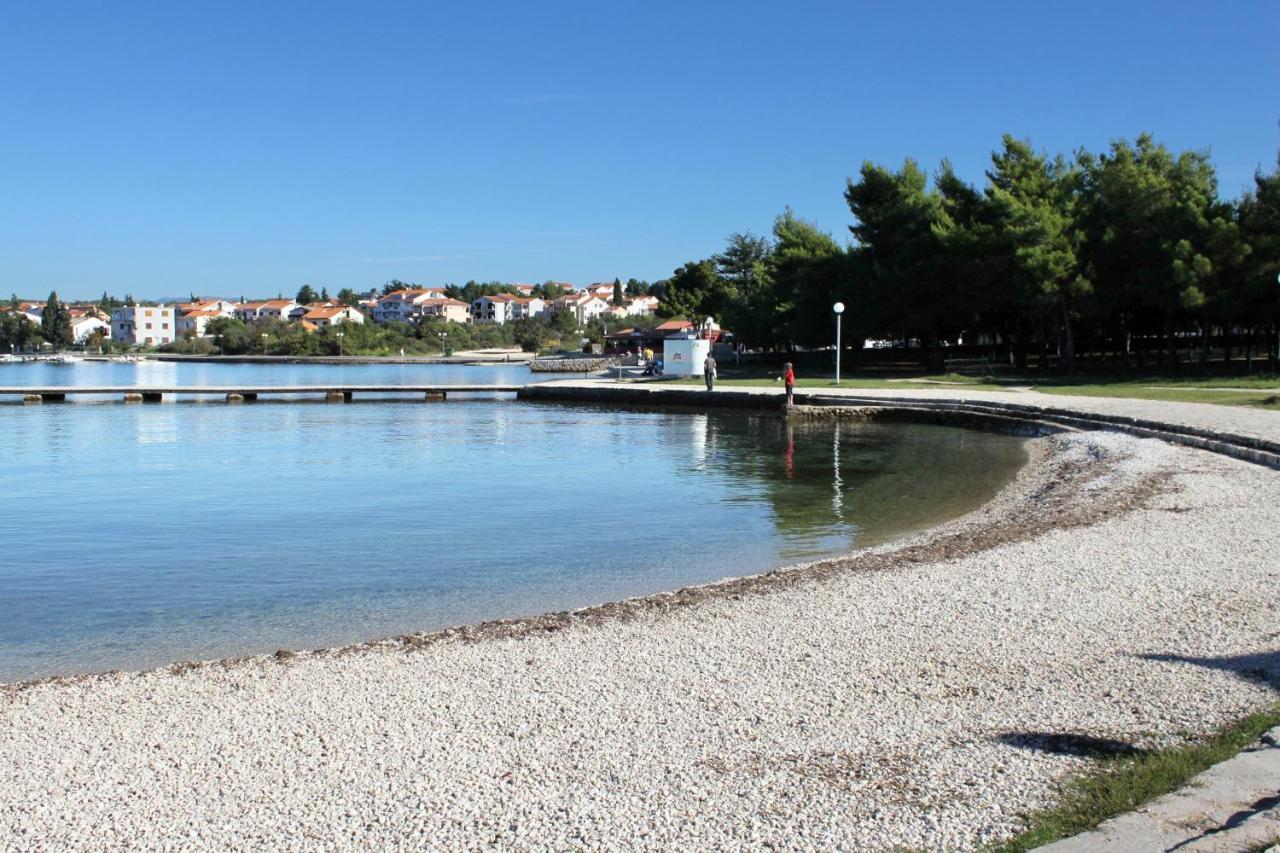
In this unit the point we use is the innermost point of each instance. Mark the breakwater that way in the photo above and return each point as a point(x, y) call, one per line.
point(572, 365)
point(1201, 432)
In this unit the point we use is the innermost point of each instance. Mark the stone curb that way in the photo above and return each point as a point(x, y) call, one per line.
point(1234, 805)
point(1248, 448)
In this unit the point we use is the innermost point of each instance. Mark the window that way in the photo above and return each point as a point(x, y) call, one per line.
point(148, 326)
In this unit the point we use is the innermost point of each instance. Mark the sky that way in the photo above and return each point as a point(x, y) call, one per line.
point(247, 148)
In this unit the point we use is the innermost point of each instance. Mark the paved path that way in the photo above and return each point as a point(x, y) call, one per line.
point(1234, 805)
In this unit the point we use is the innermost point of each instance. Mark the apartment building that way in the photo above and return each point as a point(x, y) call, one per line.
point(144, 325)
point(451, 310)
point(404, 306)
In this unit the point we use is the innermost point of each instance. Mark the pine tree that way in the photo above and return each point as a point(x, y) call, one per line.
point(55, 323)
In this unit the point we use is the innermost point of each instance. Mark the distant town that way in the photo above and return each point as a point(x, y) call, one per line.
point(406, 317)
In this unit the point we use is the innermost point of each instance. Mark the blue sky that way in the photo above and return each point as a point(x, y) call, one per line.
point(228, 148)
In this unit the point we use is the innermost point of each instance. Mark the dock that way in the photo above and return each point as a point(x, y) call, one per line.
point(244, 393)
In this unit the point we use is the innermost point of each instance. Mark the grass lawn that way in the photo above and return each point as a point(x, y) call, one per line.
point(1260, 391)
point(1172, 393)
point(1121, 784)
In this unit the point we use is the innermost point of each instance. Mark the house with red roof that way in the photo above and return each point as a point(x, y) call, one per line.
point(332, 316)
point(444, 308)
point(401, 306)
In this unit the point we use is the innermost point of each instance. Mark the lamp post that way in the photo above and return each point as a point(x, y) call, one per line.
point(444, 337)
point(339, 336)
point(838, 308)
point(264, 343)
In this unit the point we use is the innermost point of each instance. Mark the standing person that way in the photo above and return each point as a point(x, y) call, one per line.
point(789, 378)
point(709, 371)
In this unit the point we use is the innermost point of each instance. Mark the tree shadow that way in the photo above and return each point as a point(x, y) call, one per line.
point(1259, 667)
point(1071, 743)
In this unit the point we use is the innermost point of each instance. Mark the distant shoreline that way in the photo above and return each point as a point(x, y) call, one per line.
point(481, 357)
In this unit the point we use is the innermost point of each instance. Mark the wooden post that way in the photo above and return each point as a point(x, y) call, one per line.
point(435, 396)
point(52, 397)
point(152, 396)
point(132, 397)
point(234, 397)
point(335, 397)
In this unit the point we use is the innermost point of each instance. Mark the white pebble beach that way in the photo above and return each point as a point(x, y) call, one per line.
point(894, 699)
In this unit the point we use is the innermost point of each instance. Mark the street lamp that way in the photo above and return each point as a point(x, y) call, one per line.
point(839, 309)
point(264, 343)
point(339, 336)
point(444, 337)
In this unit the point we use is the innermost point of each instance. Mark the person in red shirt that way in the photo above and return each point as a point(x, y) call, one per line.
point(789, 378)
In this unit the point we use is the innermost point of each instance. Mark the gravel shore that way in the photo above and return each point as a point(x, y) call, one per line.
point(917, 695)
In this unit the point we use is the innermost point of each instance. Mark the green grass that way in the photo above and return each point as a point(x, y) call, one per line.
point(1259, 391)
point(1118, 785)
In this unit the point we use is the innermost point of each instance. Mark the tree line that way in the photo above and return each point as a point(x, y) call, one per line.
point(1128, 255)
point(19, 332)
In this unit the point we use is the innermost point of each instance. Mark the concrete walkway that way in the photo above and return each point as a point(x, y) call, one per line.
point(1232, 806)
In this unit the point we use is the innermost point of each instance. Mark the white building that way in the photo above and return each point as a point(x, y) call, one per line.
point(498, 308)
point(451, 310)
point(195, 322)
point(143, 325)
point(85, 325)
point(224, 307)
point(193, 317)
point(583, 305)
point(333, 316)
point(592, 306)
point(276, 309)
point(684, 356)
point(603, 289)
point(642, 305)
point(403, 306)
point(248, 311)
point(523, 307)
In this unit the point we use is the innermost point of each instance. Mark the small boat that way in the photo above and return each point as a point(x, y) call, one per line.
point(64, 358)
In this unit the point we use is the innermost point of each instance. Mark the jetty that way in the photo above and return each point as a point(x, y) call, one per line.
point(244, 393)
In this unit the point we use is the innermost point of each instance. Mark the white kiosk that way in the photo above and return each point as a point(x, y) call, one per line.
point(684, 356)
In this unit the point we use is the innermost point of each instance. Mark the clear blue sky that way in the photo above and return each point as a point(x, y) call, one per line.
point(228, 148)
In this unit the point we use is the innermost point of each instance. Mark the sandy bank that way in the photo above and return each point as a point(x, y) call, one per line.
point(904, 696)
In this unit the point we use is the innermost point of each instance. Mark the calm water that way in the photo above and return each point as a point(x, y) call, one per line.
point(138, 535)
point(158, 373)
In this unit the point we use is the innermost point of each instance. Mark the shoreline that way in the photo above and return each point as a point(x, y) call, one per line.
point(897, 696)
point(972, 531)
